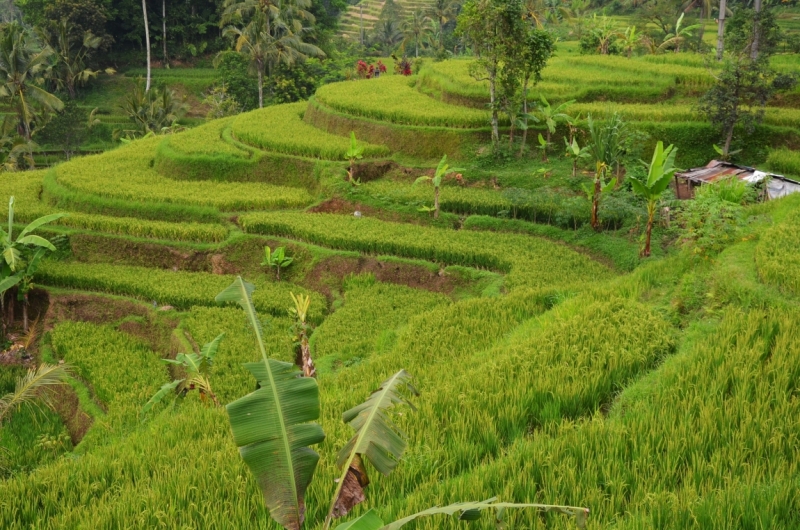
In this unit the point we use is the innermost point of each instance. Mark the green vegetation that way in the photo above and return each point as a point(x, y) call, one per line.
point(281, 129)
point(554, 367)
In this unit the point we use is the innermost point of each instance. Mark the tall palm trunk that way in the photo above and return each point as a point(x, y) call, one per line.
point(25, 313)
point(721, 29)
point(598, 177)
point(147, 43)
point(164, 30)
point(756, 30)
point(525, 119)
point(495, 119)
point(260, 89)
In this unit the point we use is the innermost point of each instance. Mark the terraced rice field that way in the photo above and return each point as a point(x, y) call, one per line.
point(553, 364)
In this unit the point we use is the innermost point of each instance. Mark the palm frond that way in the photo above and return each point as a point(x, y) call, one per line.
point(29, 388)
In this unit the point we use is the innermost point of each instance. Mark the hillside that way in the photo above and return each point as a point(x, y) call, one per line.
point(554, 365)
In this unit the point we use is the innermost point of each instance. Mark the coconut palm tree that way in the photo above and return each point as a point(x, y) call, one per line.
point(272, 35)
point(442, 12)
point(417, 28)
point(24, 65)
point(29, 390)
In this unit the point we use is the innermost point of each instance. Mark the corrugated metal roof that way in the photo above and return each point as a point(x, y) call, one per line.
point(717, 170)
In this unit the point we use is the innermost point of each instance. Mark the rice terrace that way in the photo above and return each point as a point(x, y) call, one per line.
point(431, 264)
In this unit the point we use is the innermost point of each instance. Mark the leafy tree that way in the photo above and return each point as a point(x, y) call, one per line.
point(197, 367)
point(16, 152)
point(23, 68)
point(652, 186)
point(71, 56)
point(221, 103)
point(67, 129)
point(533, 54)
point(81, 16)
point(233, 72)
point(277, 259)
point(494, 29)
point(738, 98)
point(442, 170)
point(442, 12)
point(31, 389)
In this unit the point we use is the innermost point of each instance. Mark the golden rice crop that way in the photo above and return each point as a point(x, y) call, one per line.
point(280, 128)
point(126, 173)
point(393, 99)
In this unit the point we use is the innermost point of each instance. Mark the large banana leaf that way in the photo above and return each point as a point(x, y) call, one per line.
point(270, 426)
point(376, 438)
point(467, 511)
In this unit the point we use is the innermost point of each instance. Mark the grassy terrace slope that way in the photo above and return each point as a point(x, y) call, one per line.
point(661, 393)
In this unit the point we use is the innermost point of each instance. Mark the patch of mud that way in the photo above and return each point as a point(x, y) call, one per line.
point(67, 406)
point(87, 308)
point(327, 275)
point(342, 207)
point(100, 249)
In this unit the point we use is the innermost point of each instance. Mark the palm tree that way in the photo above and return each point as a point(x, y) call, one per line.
point(387, 35)
point(416, 28)
point(23, 66)
point(442, 12)
point(272, 35)
point(29, 390)
point(146, 43)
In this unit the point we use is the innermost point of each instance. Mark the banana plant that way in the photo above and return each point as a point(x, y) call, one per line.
point(355, 152)
point(12, 248)
point(277, 259)
point(442, 170)
point(606, 150)
point(466, 511)
point(552, 116)
point(272, 426)
point(300, 331)
point(198, 368)
point(376, 439)
point(543, 145)
point(659, 174)
point(575, 152)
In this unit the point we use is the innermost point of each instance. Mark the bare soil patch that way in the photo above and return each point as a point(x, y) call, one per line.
point(87, 308)
point(343, 207)
point(327, 275)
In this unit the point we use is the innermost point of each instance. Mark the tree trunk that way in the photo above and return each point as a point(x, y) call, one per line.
point(651, 213)
point(756, 30)
point(525, 119)
point(260, 88)
point(495, 121)
point(147, 43)
point(596, 200)
point(3, 314)
point(728, 139)
point(436, 202)
point(574, 166)
point(278, 272)
point(307, 362)
point(25, 313)
point(721, 29)
point(164, 30)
